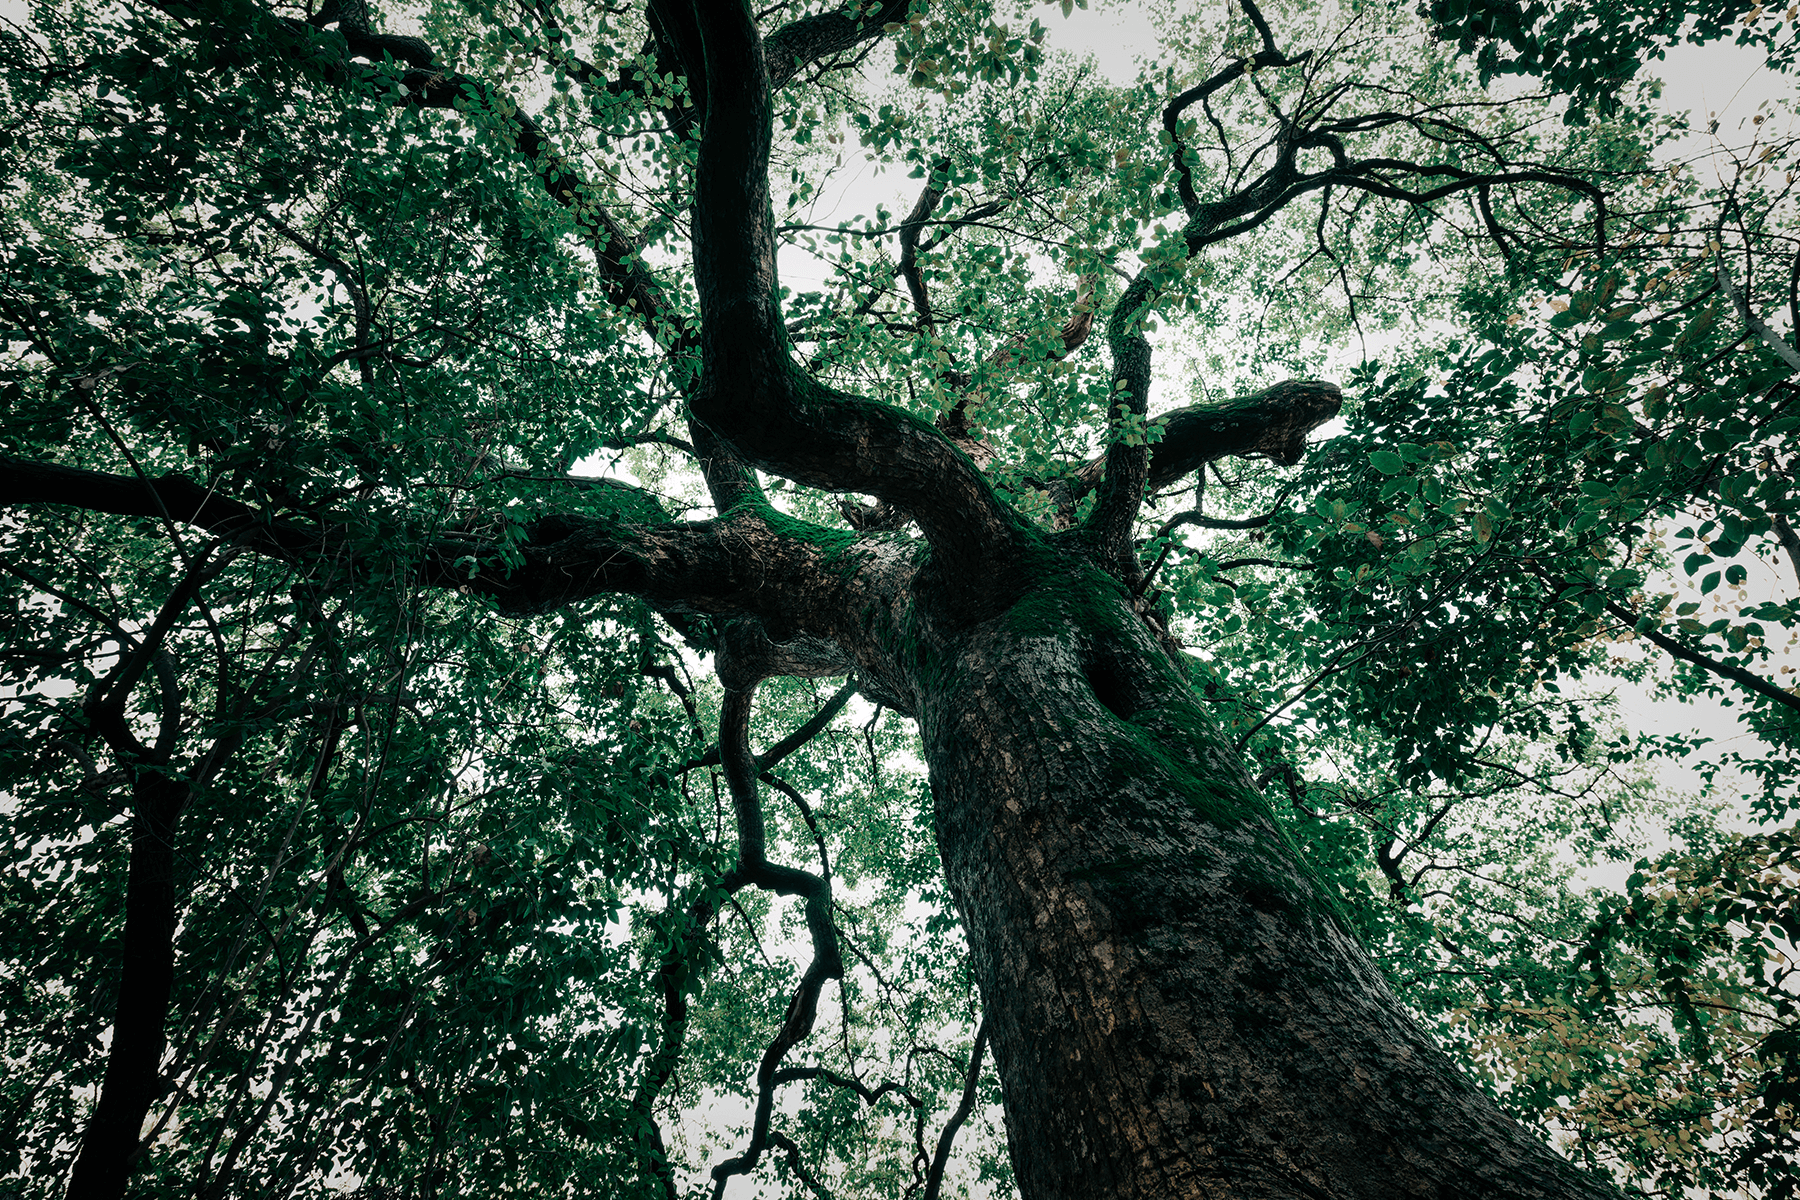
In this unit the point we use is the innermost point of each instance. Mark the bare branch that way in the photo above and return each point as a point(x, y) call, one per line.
point(753, 867)
point(1752, 322)
point(1789, 541)
point(812, 727)
point(934, 1180)
point(909, 239)
point(1745, 679)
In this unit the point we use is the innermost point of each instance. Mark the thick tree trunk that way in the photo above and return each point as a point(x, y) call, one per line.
point(1175, 1007)
point(146, 977)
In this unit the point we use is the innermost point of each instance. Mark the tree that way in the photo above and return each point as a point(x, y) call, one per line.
point(350, 719)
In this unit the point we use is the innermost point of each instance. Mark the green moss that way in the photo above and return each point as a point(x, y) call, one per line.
point(1225, 802)
point(832, 541)
point(1160, 748)
point(1072, 595)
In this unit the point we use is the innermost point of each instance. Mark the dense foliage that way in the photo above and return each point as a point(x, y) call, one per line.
point(394, 291)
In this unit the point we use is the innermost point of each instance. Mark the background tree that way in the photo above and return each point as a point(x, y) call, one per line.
point(430, 521)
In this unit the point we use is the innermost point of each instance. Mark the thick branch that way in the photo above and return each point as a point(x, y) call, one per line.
point(172, 497)
point(1127, 460)
point(737, 564)
point(822, 35)
point(751, 393)
point(146, 978)
point(1272, 423)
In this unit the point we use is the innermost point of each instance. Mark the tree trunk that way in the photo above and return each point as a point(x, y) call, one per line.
point(146, 977)
point(1176, 1009)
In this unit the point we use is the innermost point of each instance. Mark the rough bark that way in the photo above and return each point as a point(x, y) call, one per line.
point(1175, 1007)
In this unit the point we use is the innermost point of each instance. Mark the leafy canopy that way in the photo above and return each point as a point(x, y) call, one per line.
point(412, 290)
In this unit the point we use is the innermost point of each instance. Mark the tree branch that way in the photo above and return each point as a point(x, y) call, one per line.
point(910, 228)
point(822, 35)
point(1127, 460)
point(738, 564)
point(1784, 532)
point(1752, 322)
point(1267, 57)
point(751, 392)
point(1737, 675)
point(753, 867)
point(792, 742)
point(934, 1180)
point(1272, 423)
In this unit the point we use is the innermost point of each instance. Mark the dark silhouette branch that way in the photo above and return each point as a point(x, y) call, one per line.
point(1784, 532)
point(1389, 860)
point(753, 867)
point(1744, 679)
point(934, 1179)
point(752, 394)
point(1268, 57)
point(727, 565)
point(805, 733)
point(927, 203)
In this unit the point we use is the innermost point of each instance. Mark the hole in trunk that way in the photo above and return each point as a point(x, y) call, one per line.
point(1111, 687)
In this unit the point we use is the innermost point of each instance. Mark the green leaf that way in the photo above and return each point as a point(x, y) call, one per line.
point(1387, 462)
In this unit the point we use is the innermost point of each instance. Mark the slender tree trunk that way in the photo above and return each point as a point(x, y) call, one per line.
point(147, 974)
point(1176, 1009)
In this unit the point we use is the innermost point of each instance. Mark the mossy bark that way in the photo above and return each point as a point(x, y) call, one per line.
point(1175, 1007)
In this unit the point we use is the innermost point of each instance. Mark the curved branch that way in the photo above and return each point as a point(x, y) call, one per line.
point(1269, 56)
point(751, 392)
point(1200, 94)
point(812, 727)
point(106, 703)
point(1276, 188)
point(1272, 423)
point(736, 564)
point(869, 1095)
point(753, 867)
